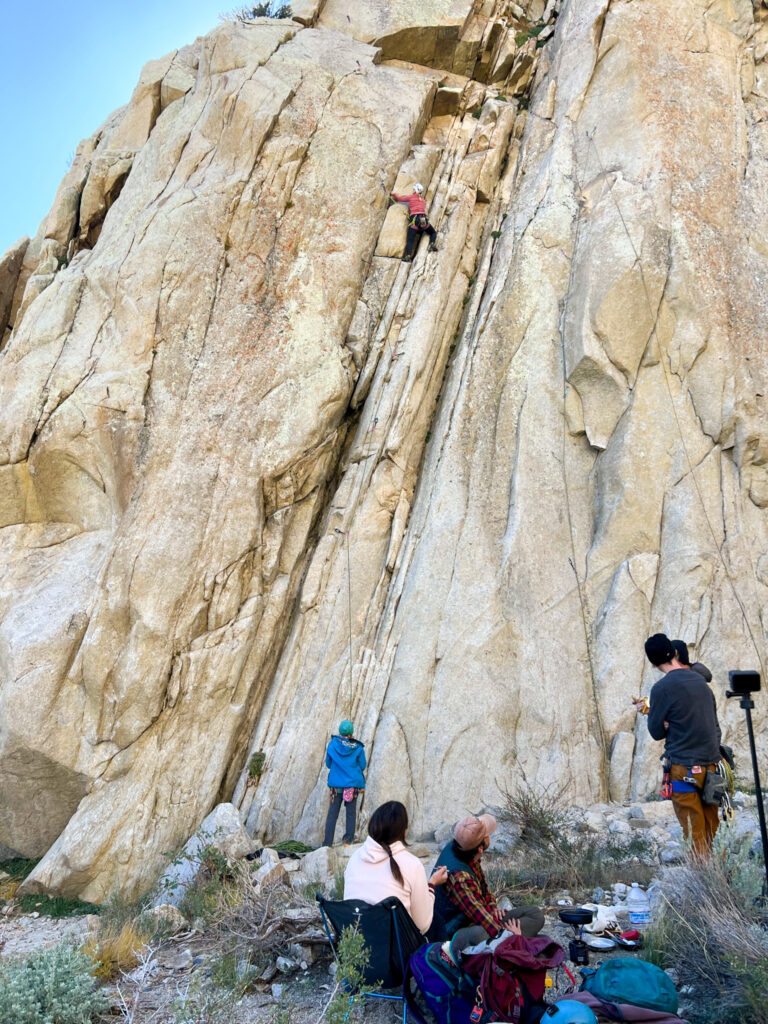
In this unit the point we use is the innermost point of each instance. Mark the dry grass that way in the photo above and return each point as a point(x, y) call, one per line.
point(116, 948)
point(709, 930)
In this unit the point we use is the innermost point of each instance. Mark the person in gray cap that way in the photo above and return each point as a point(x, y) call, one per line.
point(683, 713)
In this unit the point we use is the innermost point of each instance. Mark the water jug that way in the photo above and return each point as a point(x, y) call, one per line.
point(639, 907)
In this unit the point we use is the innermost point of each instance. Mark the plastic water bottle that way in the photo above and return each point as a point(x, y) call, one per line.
point(639, 907)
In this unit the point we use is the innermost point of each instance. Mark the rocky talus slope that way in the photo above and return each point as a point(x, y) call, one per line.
point(257, 474)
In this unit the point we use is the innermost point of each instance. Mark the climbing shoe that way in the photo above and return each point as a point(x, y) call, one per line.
point(432, 247)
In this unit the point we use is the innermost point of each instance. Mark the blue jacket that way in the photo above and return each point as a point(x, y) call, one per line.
point(346, 759)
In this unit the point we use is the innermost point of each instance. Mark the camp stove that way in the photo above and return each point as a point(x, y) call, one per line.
point(577, 917)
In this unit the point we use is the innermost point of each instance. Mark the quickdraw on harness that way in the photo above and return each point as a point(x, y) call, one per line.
point(666, 783)
point(725, 770)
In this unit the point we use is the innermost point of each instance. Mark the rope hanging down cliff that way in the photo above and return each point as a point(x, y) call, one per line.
point(667, 372)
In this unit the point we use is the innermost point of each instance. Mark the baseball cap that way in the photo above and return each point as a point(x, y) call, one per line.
point(472, 830)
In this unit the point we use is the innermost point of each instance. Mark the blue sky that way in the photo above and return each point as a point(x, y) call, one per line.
point(65, 67)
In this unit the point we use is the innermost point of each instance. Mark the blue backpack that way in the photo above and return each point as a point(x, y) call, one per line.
point(626, 980)
point(447, 993)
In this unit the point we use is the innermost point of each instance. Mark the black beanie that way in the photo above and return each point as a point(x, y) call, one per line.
point(681, 652)
point(659, 649)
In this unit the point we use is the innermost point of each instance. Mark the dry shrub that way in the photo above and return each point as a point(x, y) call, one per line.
point(709, 930)
point(553, 855)
point(247, 924)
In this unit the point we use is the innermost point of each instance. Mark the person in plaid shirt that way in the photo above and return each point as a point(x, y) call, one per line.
point(466, 898)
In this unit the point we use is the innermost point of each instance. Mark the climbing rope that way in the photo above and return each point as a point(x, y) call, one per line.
point(667, 371)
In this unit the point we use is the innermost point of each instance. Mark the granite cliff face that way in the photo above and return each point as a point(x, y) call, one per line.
point(257, 474)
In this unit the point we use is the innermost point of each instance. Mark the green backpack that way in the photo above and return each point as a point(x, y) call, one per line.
point(627, 980)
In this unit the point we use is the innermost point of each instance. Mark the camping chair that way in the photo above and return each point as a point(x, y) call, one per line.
point(390, 936)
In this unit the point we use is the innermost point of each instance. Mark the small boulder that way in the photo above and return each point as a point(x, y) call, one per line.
point(673, 853)
point(320, 864)
point(505, 838)
point(268, 973)
point(223, 831)
point(443, 833)
point(303, 955)
point(285, 965)
point(271, 874)
point(420, 850)
point(619, 828)
point(165, 919)
point(175, 960)
point(594, 821)
point(636, 811)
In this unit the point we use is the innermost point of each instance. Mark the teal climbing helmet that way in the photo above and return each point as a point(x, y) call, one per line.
point(569, 1011)
point(346, 728)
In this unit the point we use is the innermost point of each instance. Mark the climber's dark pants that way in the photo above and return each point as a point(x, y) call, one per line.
point(333, 813)
point(414, 233)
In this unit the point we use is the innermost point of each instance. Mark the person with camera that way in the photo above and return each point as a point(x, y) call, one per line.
point(683, 713)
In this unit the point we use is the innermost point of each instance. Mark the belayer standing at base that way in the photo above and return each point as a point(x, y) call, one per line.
point(683, 713)
point(418, 223)
point(345, 757)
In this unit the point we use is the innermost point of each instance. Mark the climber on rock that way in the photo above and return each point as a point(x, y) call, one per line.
point(345, 759)
point(418, 223)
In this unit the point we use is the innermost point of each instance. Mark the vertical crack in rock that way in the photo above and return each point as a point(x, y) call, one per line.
point(238, 409)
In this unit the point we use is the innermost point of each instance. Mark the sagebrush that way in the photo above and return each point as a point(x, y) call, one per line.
point(710, 929)
point(51, 986)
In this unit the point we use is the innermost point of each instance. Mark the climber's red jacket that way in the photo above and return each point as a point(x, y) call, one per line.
point(416, 203)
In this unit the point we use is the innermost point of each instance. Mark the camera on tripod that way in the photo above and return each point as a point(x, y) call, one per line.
point(743, 683)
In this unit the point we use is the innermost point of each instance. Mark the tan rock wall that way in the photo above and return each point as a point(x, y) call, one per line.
point(181, 388)
point(256, 474)
point(557, 519)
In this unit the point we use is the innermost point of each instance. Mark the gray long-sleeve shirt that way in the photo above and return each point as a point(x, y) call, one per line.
point(686, 703)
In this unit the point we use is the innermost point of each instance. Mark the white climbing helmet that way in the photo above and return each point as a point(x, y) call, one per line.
point(418, 188)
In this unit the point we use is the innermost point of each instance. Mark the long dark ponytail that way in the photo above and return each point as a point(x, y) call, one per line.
point(388, 825)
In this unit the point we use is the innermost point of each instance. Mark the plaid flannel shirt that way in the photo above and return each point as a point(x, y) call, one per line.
point(468, 891)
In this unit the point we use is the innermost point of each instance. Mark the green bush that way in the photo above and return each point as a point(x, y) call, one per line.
point(201, 1002)
point(53, 986)
point(256, 764)
point(263, 10)
point(352, 957)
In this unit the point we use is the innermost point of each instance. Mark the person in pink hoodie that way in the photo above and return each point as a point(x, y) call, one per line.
point(383, 867)
point(418, 223)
